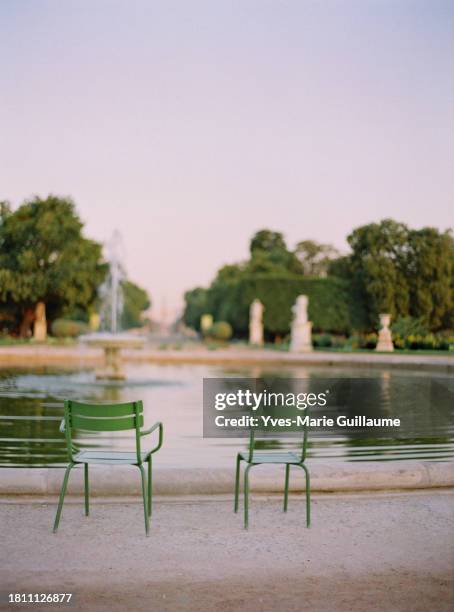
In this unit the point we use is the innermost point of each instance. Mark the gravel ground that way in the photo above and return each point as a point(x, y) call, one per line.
point(386, 552)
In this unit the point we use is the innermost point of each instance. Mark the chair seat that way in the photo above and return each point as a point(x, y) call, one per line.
point(272, 457)
point(109, 457)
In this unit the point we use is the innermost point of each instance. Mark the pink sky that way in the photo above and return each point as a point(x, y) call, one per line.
point(190, 125)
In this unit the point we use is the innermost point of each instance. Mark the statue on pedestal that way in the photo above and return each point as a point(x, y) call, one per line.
point(40, 324)
point(256, 323)
point(301, 332)
point(385, 341)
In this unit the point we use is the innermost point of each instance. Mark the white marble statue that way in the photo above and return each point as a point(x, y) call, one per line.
point(301, 332)
point(256, 323)
point(385, 341)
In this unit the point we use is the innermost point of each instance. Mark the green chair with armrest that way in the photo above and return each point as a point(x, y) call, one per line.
point(128, 416)
point(255, 457)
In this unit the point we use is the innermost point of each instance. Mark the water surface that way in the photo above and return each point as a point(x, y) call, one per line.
point(31, 410)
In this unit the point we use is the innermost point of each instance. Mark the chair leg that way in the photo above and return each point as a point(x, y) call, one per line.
point(149, 486)
point(246, 496)
point(287, 476)
point(62, 496)
point(144, 496)
point(308, 496)
point(237, 482)
point(87, 504)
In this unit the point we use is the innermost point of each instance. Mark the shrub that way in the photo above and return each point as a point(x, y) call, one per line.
point(362, 341)
point(328, 341)
point(428, 342)
point(369, 341)
point(322, 340)
point(338, 341)
point(407, 326)
point(221, 331)
point(65, 328)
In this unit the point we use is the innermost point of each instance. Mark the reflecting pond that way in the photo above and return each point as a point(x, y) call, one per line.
point(31, 410)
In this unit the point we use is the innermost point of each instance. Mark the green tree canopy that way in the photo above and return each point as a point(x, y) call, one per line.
point(430, 272)
point(267, 240)
point(45, 258)
point(196, 304)
point(135, 302)
point(269, 254)
point(378, 266)
point(402, 271)
point(315, 257)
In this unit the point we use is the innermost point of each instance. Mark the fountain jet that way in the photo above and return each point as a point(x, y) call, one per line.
point(111, 295)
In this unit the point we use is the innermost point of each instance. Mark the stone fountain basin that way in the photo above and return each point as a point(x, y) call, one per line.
point(112, 344)
point(113, 341)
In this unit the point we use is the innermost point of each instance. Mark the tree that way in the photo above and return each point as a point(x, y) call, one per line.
point(135, 301)
point(267, 240)
point(196, 301)
point(378, 265)
point(269, 253)
point(45, 258)
point(340, 267)
point(430, 272)
point(402, 271)
point(315, 257)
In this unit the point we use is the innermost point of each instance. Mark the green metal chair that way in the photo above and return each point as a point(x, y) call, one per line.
point(107, 417)
point(287, 458)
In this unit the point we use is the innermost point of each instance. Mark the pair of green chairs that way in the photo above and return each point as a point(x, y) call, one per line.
point(90, 418)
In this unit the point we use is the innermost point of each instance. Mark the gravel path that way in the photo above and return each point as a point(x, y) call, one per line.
point(387, 552)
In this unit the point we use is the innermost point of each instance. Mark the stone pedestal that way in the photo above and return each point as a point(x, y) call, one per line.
point(385, 341)
point(256, 323)
point(40, 324)
point(112, 344)
point(301, 332)
point(113, 365)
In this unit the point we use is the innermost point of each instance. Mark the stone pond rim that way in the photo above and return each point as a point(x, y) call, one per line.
point(114, 481)
point(53, 355)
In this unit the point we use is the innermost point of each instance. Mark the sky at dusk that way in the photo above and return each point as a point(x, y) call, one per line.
point(190, 125)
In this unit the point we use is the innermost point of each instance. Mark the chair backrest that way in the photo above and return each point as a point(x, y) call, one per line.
point(102, 417)
point(252, 438)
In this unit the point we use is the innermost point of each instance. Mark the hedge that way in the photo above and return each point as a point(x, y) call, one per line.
point(332, 306)
point(66, 328)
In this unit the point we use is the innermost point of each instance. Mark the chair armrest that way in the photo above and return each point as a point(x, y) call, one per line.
point(161, 434)
point(251, 446)
point(62, 426)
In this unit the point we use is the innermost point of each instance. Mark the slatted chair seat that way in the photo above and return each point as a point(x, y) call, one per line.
point(109, 457)
point(272, 457)
point(127, 416)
